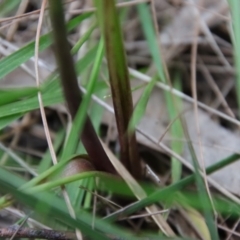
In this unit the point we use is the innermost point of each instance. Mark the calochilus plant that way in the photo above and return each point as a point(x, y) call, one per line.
point(119, 82)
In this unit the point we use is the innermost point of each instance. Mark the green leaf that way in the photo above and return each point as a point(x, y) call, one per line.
point(146, 21)
point(176, 130)
point(6, 6)
point(51, 91)
point(11, 95)
point(72, 140)
point(141, 105)
point(168, 191)
point(47, 204)
point(235, 11)
point(11, 62)
point(5, 121)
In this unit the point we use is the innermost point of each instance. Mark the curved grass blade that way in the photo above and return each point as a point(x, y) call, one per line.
point(10, 95)
point(49, 205)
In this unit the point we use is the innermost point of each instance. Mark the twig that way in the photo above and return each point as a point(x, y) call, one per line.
point(35, 233)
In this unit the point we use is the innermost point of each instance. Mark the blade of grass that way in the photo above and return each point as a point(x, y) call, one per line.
point(64, 181)
point(11, 95)
point(148, 28)
point(7, 6)
point(11, 62)
point(6, 121)
point(190, 199)
point(176, 132)
point(50, 89)
point(235, 11)
point(163, 193)
point(49, 205)
point(78, 123)
point(83, 39)
point(141, 105)
point(153, 45)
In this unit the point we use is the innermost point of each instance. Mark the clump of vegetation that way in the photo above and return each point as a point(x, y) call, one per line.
point(63, 173)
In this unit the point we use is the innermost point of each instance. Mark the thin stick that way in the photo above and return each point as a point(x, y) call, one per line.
point(194, 93)
point(35, 233)
point(178, 93)
point(43, 115)
point(44, 119)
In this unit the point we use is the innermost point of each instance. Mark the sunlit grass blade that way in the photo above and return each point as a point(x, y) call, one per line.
point(197, 221)
point(5, 121)
point(82, 40)
point(30, 104)
point(51, 91)
point(191, 199)
point(7, 6)
point(10, 95)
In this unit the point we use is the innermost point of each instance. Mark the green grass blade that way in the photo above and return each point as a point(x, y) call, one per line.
point(147, 24)
point(7, 6)
point(11, 95)
point(5, 121)
point(11, 62)
point(63, 181)
point(42, 203)
point(51, 91)
point(161, 194)
point(83, 39)
point(148, 29)
point(141, 105)
point(202, 192)
point(176, 132)
point(72, 141)
point(235, 11)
